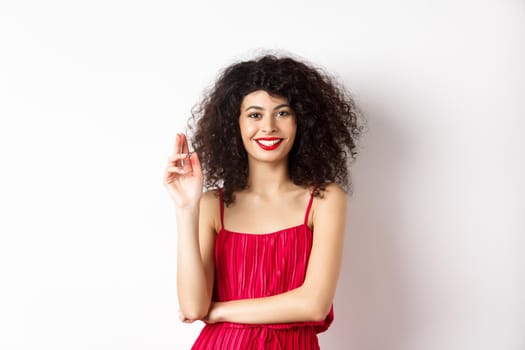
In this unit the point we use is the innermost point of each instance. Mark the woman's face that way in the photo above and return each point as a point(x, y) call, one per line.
point(268, 126)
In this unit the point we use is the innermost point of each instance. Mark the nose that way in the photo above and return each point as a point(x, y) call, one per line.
point(269, 125)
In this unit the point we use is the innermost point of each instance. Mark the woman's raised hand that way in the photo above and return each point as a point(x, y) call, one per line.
point(183, 176)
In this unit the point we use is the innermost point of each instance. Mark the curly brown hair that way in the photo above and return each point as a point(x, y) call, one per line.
point(328, 124)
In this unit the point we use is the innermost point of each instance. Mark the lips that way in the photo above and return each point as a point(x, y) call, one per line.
point(268, 143)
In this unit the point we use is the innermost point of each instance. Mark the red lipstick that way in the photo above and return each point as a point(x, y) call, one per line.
point(270, 143)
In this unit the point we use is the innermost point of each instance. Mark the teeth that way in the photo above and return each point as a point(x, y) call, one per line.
point(268, 142)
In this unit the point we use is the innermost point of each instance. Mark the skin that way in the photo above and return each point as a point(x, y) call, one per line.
point(263, 115)
point(270, 193)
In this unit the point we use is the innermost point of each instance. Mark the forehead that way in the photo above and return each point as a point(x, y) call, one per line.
point(262, 98)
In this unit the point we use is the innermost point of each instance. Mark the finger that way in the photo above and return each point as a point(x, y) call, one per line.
point(184, 148)
point(195, 164)
point(185, 163)
point(178, 170)
point(177, 146)
point(179, 149)
point(174, 157)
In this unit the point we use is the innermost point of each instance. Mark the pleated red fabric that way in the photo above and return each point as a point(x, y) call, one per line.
point(249, 265)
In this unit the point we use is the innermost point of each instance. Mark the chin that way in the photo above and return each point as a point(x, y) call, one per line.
point(269, 158)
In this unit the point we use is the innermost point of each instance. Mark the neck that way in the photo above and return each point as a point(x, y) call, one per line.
point(268, 178)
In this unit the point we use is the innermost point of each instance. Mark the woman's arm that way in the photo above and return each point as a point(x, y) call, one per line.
point(195, 266)
point(195, 231)
point(313, 299)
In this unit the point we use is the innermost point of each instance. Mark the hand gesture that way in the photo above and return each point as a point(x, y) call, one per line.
point(183, 176)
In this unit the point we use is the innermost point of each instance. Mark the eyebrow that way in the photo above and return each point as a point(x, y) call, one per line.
point(276, 107)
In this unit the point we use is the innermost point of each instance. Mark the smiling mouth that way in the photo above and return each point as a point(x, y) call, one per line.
point(269, 144)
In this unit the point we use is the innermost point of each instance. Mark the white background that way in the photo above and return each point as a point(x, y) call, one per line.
point(92, 94)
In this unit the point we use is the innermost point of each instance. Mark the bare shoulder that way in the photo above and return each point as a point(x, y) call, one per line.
point(210, 196)
point(209, 209)
point(333, 194)
point(331, 205)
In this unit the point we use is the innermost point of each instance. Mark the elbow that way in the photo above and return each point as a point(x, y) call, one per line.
point(193, 309)
point(316, 304)
point(319, 313)
point(193, 312)
point(191, 315)
point(319, 308)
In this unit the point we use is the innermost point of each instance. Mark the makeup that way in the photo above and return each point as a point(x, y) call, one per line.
point(269, 143)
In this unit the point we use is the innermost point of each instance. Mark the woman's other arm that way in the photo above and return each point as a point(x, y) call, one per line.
point(313, 299)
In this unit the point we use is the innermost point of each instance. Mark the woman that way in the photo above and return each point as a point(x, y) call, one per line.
point(259, 253)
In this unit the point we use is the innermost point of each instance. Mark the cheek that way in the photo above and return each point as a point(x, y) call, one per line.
point(247, 130)
point(292, 127)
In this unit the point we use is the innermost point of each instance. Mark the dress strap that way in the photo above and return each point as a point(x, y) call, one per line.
point(309, 206)
point(221, 208)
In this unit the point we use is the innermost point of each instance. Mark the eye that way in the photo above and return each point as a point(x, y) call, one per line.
point(283, 113)
point(254, 115)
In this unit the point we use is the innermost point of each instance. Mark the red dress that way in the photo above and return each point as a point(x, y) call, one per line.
point(258, 265)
